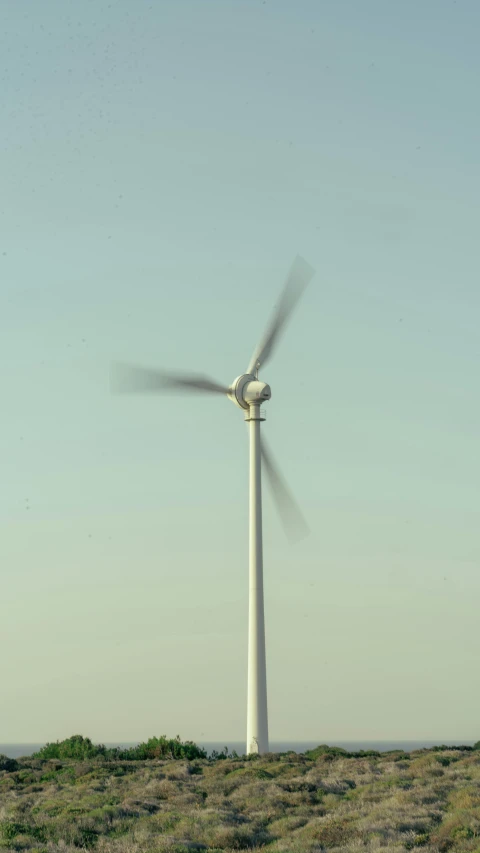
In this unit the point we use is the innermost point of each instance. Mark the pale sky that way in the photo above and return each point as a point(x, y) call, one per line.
point(162, 162)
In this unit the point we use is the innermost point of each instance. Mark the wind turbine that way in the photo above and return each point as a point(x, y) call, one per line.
point(248, 393)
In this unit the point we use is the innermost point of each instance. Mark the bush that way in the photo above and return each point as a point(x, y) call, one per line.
point(331, 752)
point(7, 763)
point(419, 841)
point(324, 749)
point(224, 754)
point(76, 747)
point(463, 832)
point(80, 748)
point(9, 829)
point(160, 747)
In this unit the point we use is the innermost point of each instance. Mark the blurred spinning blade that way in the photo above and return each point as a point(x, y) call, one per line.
point(132, 379)
point(299, 276)
point(291, 516)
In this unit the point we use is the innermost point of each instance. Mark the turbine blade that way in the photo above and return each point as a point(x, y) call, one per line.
point(299, 276)
point(129, 378)
point(290, 513)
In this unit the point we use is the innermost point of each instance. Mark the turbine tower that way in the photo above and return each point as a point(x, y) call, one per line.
point(249, 393)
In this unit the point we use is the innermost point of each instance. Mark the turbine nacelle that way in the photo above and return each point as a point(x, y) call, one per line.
point(248, 391)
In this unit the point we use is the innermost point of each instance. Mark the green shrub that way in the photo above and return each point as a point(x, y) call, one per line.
point(81, 748)
point(419, 841)
point(7, 763)
point(9, 829)
point(216, 756)
point(161, 747)
point(463, 832)
point(76, 747)
point(326, 750)
point(331, 752)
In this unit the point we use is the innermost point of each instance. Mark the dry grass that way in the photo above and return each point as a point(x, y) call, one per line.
point(281, 804)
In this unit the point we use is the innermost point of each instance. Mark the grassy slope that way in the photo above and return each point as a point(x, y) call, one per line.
point(288, 803)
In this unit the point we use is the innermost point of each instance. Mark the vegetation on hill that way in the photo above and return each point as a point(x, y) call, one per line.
point(326, 800)
point(80, 748)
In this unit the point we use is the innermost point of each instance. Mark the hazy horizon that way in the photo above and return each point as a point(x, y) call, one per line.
point(238, 745)
point(161, 165)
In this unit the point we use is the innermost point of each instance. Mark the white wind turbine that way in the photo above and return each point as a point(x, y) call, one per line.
point(247, 392)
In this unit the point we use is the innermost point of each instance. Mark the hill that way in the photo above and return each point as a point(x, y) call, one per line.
point(325, 800)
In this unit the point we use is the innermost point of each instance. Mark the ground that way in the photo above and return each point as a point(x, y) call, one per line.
point(281, 804)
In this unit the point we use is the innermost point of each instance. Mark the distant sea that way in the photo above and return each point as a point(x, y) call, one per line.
point(15, 750)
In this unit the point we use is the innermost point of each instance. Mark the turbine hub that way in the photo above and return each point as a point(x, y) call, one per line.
point(248, 391)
